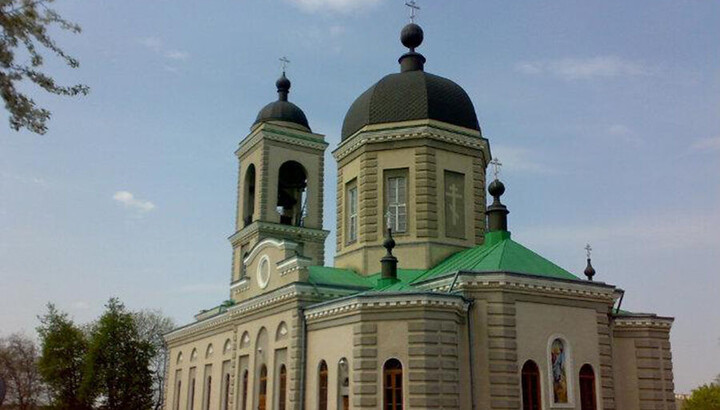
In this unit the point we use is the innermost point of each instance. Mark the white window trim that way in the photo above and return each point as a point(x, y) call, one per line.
point(394, 208)
point(263, 283)
point(352, 195)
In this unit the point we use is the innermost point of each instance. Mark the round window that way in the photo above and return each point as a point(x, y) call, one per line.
point(263, 272)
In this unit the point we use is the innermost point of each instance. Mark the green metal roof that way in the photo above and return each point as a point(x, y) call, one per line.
point(325, 275)
point(499, 253)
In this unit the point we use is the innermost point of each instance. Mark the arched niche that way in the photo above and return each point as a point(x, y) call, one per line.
point(282, 332)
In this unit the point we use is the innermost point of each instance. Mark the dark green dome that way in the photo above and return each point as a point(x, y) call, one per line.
point(282, 109)
point(411, 94)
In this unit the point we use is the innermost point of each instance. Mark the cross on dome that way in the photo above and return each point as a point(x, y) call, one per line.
point(284, 62)
point(496, 166)
point(413, 9)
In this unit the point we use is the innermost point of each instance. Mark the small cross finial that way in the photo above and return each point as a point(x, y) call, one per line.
point(284, 63)
point(496, 166)
point(588, 250)
point(413, 9)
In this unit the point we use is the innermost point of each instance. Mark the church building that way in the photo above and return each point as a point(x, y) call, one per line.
point(429, 302)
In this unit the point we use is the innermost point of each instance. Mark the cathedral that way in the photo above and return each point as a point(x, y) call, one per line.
point(429, 302)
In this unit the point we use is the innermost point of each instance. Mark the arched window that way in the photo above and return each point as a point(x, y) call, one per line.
point(249, 191)
point(262, 396)
point(587, 388)
point(244, 390)
point(227, 347)
point(208, 393)
point(282, 394)
point(292, 197)
point(343, 385)
point(179, 358)
point(177, 395)
point(531, 386)
point(209, 351)
point(392, 385)
point(226, 391)
point(558, 363)
point(193, 355)
point(323, 386)
point(191, 394)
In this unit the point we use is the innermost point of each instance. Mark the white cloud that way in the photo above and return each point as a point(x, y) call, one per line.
point(153, 43)
point(338, 6)
point(584, 68)
point(128, 199)
point(519, 160)
point(177, 55)
point(625, 134)
point(706, 144)
point(157, 46)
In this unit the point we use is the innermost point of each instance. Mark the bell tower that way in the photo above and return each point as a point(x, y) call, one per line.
point(280, 187)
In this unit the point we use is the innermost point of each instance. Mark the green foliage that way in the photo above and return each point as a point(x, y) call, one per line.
point(63, 349)
point(705, 397)
point(23, 34)
point(117, 365)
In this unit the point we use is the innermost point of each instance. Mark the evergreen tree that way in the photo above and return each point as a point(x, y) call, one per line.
point(117, 368)
point(63, 349)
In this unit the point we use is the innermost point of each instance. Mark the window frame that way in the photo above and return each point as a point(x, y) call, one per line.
point(323, 387)
point(538, 379)
point(394, 207)
point(351, 220)
point(397, 392)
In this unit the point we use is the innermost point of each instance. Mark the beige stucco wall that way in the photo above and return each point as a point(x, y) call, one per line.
point(274, 351)
point(538, 325)
point(425, 242)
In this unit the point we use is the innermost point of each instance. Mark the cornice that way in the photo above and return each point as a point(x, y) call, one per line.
point(408, 131)
point(520, 282)
point(277, 229)
point(254, 305)
point(642, 321)
point(385, 302)
point(281, 134)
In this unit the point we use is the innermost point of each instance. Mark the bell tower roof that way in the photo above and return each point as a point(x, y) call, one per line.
point(282, 110)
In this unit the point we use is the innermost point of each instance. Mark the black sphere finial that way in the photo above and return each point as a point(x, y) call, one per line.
point(589, 270)
point(412, 36)
point(496, 189)
point(283, 87)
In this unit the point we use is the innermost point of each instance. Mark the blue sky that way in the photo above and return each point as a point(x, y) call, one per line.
point(605, 114)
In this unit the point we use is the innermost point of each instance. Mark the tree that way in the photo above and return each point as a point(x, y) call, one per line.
point(61, 363)
point(705, 397)
point(18, 367)
point(117, 365)
point(152, 326)
point(23, 34)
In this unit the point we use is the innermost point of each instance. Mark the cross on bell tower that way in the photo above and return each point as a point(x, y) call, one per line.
point(413, 9)
point(284, 62)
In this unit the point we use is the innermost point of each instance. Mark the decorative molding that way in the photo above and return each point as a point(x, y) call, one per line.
point(382, 301)
point(281, 134)
point(412, 130)
point(513, 281)
point(254, 305)
point(275, 229)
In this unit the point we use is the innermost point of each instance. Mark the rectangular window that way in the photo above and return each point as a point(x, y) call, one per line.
point(352, 217)
point(396, 200)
